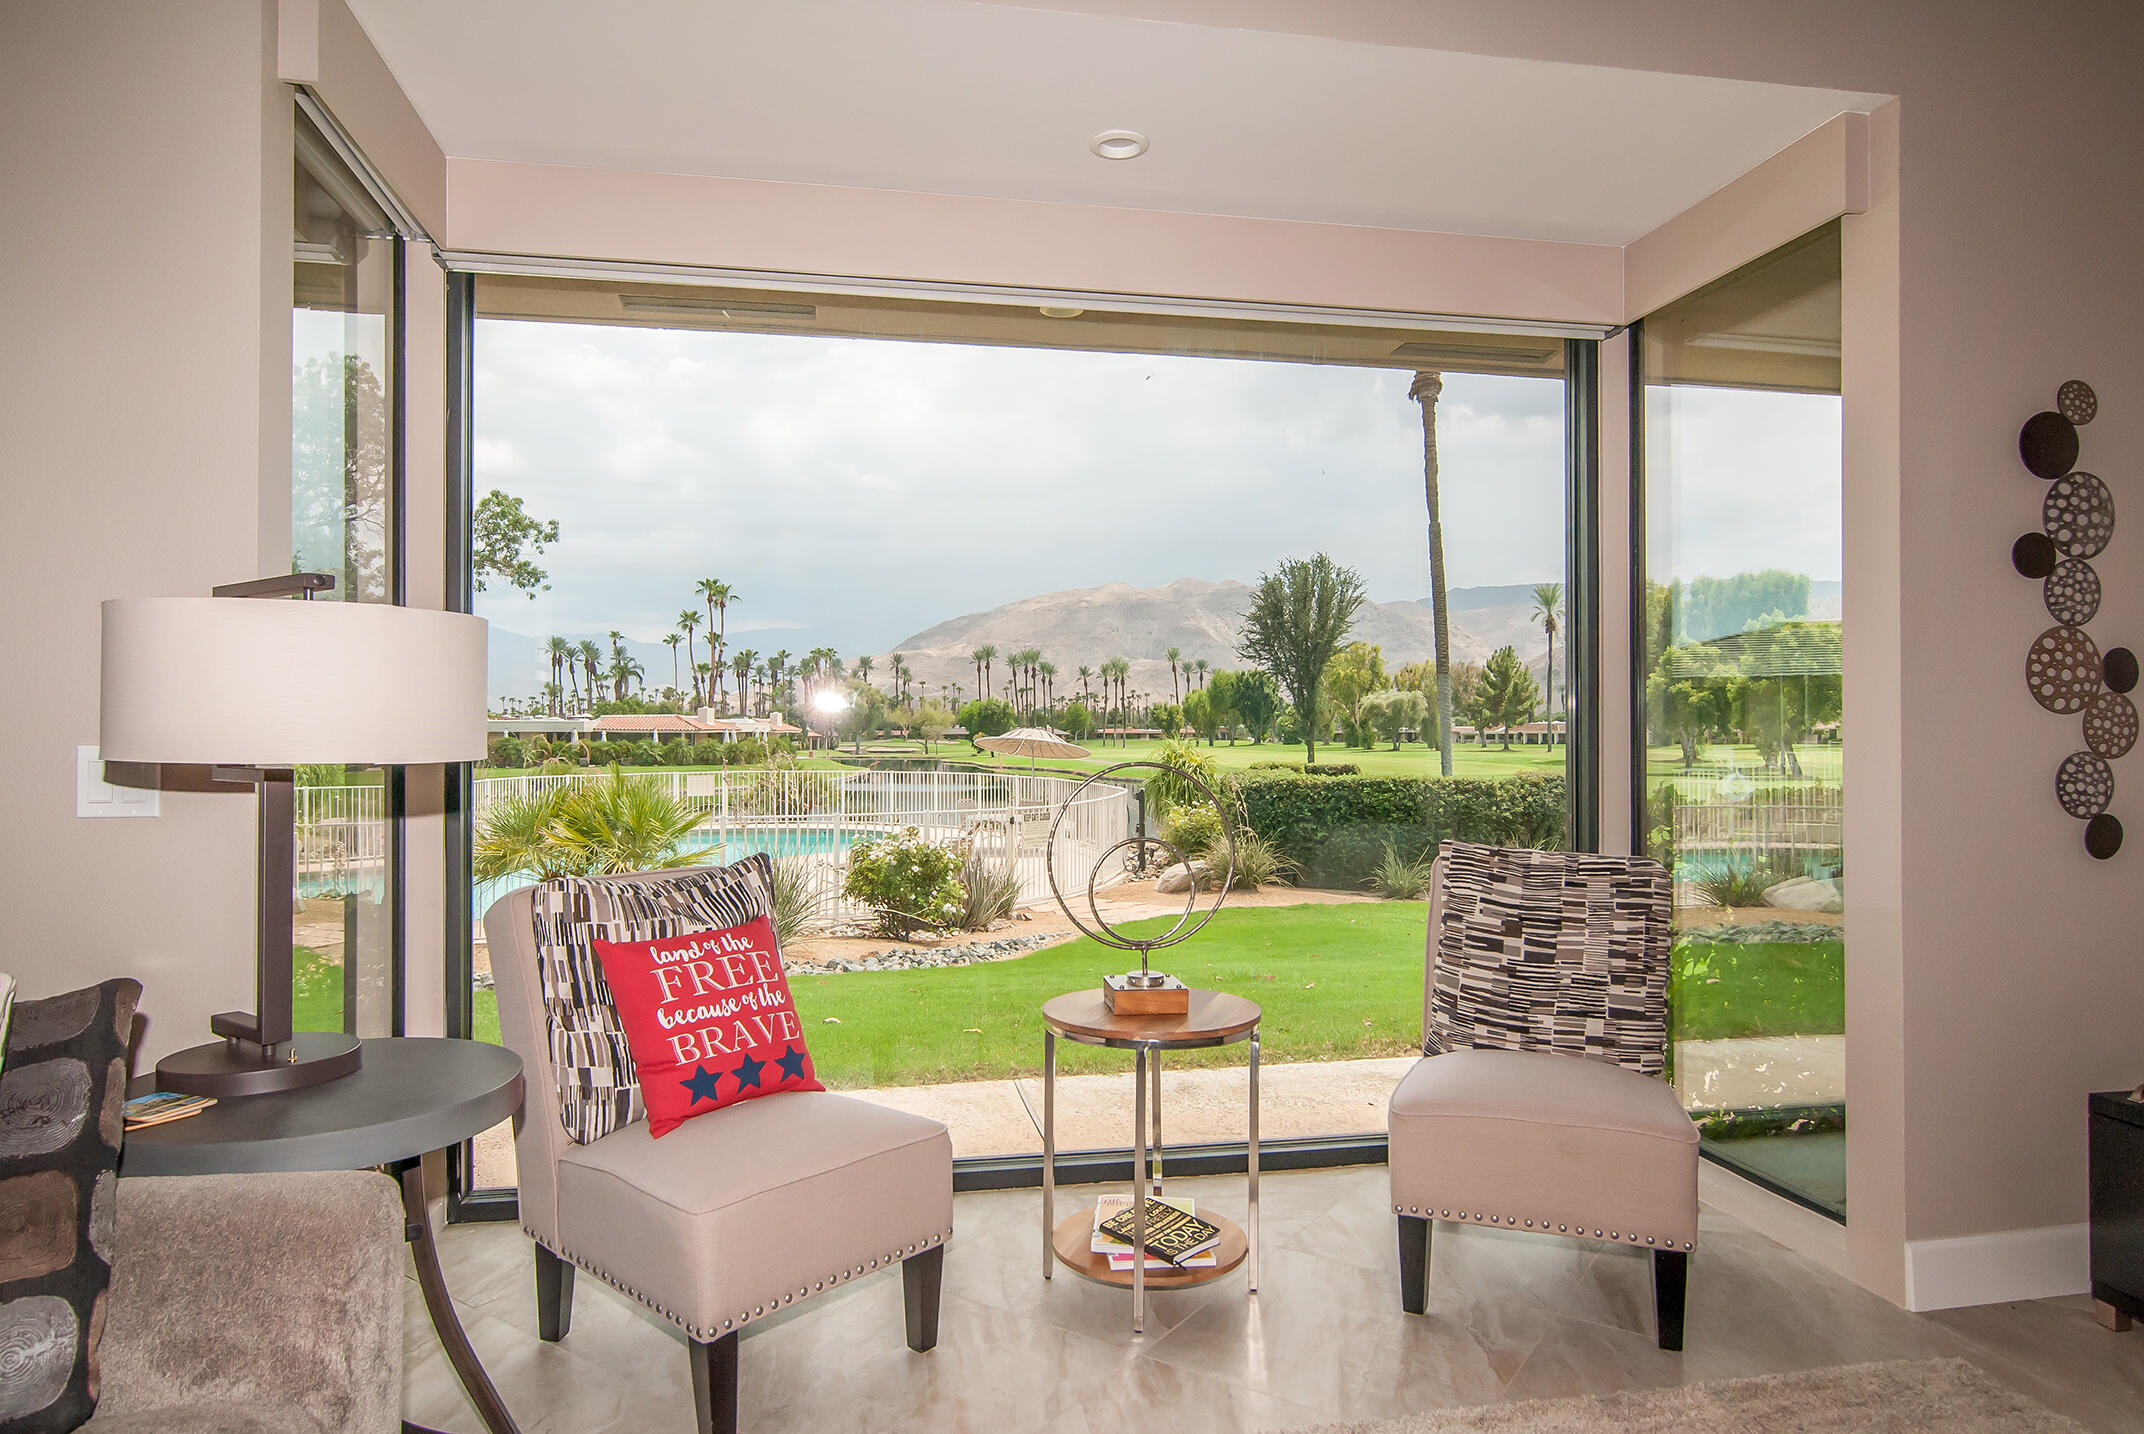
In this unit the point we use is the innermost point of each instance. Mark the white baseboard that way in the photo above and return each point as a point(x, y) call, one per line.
point(1993, 1269)
point(1808, 1234)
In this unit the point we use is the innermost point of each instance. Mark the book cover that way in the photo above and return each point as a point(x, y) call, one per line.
point(1119, 1252)
point(1173, 1232)
point(146, 1110)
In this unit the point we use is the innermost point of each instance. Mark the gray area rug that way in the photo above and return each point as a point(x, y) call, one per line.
point(1950, 1395)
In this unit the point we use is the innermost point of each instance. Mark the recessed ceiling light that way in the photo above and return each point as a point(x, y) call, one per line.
point(1118, 144)
point(1059, 311)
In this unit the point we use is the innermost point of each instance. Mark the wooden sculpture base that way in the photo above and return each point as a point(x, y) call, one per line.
point(1124, 999)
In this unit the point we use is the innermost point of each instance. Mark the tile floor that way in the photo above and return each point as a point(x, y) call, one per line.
point(1512, 1316)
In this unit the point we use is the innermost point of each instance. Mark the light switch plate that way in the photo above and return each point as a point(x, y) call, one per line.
point(95, 797)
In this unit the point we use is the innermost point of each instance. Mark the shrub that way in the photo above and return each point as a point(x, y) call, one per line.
point(1259, 863)
point(1194, 831)
point(910, 882)
point(1167, 792)
point(1338, 829)
point(1296, 767)
point(705, 752)
point(506, 752)
point(1402, 878)
point(677, 752)
point(990, 888)
point(744, 752)
point(536, 752)
point(557, 767)
point(1332, 769)
point(798, 906)
point(1745, 881)
point(588, 828)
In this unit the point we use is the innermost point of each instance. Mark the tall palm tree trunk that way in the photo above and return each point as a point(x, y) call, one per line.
point(1424, 390)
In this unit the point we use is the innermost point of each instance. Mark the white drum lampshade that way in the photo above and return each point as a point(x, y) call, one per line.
point(246, 682)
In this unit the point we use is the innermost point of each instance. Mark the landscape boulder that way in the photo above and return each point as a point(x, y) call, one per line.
point(1183, 876)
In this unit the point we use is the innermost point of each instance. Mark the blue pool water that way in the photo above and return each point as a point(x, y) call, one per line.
point(710, 847)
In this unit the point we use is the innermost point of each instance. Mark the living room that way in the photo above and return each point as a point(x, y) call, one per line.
point(1825, 303)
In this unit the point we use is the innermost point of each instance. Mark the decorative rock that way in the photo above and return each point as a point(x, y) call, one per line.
point(1182, 877)
point(924, 960)
point(1807, 893)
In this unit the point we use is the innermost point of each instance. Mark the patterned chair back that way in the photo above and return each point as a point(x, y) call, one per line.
point(1549, 951)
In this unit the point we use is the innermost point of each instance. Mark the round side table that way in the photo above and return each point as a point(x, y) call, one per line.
point(1215, 1019)
point(410, 1099)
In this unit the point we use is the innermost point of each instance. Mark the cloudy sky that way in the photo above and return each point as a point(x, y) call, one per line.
point(857, 491)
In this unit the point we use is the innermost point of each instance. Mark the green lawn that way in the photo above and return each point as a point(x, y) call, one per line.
point(1336, 982)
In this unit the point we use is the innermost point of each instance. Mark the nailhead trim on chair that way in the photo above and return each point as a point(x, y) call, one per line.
point(1514, 1222)
point(742, 1318)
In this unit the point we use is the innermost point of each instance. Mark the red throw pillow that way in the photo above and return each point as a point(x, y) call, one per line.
point(709, 1019)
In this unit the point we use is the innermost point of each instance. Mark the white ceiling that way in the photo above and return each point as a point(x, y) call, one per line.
point(993, 100)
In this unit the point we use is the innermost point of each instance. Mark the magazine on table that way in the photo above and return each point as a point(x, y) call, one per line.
point(1173, 1227)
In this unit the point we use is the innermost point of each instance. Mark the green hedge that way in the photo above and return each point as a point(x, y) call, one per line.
point(1336, 829)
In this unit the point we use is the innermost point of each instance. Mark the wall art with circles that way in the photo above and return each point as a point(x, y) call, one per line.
point(2065, 670)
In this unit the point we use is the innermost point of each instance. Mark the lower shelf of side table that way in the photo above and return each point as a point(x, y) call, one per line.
point(1075, 1233)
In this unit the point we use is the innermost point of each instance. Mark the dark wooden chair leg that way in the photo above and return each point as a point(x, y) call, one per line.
point(921, 1277)
point(1671, 1280)
point(714, 1384)
point(1414, 1263)
point(554, 1295)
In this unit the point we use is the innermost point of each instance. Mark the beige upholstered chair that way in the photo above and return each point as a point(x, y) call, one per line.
point(732, 1216)
point(1543, 1141)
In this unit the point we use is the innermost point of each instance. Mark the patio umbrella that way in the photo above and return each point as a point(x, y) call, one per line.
point(1031, 742)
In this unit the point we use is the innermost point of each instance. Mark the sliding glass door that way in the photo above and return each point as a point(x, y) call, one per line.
point(1743, 752)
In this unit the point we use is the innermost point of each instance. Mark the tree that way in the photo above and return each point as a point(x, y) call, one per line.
point(671, 641)
point(1299, 615)
point(339, 471)
point(1200, 667)
point(1706, 608)
point(591, 663)
point(1175, 656)
point(719, 596)
point(1198, 714)
point(741, 664)
point(1257, 702)
point(1396, 710)
point(560, 652)
point(1085, 675)
point(1424, 390)
point(864, 715)
point(1350, 679)
point(1691, 695)
point(1078, 721)
point(687, 621)
point(502, 535)
point(1169, 717)
point(1220, 695)
point(987, 717)
point(1548, 611)
point(1507, 695)
point(933, 720)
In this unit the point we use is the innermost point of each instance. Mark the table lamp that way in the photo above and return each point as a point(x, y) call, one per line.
point(252, 683)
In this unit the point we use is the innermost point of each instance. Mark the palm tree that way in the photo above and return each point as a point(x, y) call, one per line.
point(1548, 606)
point(984, 656)
point(1200, 666)
point(718, 596)
point(1049, 685)
point(1086, 675)
point(864, 665)
point(624, 669)
point(778, 671)
point(671, 640)
point(1424, 390)
point(591, 663)
point(1175, 655)
point(759, 697)
point(560, 651)
point(688, 620)
point(741, 664)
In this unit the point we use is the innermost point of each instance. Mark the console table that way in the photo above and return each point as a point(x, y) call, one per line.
point(1215, 1019)
point(2117, 1141)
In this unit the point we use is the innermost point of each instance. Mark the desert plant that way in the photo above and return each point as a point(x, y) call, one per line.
point(1744, 883)
point(1167, 792)
point(798, 904)
point(1194, 831)
point(990, 888)
point(1259, 863)
point(585, 828)
point(909, 881)
point(1402, 878)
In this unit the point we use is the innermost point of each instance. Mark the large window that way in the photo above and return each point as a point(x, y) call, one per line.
point(1743, 751)
point(808, 546)
point(342, 466)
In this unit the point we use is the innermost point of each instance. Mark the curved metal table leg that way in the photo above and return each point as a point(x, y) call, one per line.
point(424, 1248)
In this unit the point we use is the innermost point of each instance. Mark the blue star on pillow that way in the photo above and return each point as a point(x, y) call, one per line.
point(792, 1063)
point(747, 1073)
point(701, 1083)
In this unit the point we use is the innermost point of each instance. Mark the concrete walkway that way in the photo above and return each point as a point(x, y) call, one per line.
point(1761, 1071)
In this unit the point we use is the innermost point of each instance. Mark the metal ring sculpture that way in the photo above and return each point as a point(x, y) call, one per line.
point(1102, 931)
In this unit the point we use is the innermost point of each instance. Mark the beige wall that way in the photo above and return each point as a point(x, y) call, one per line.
point(144, 375)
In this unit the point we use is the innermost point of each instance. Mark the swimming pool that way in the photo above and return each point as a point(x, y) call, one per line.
point(714, 849)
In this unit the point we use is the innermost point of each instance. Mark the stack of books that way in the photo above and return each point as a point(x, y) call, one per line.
point(147, 1110)
point(1176, 1238)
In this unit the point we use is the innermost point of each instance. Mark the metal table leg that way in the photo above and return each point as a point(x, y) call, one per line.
point(1254, 1161)
point(417, 1223)
point(1049, 1154)
point(1157, 1120)
point(1139, 1195)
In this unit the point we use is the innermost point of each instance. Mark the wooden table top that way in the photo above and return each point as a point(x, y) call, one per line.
point(1214, 1016)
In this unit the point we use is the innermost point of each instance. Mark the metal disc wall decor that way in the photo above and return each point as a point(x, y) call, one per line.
point(2077, 401)
point(2034, 555)
point(2063, 669)
point(2048, 444)
point(2103, 835)
point(2110, 725)
point(2120, 668)
point(2084, 784)
point(2072, 592)
point(2078, 514)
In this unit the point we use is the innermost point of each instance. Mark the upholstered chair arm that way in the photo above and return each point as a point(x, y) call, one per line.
point(282, 1292)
